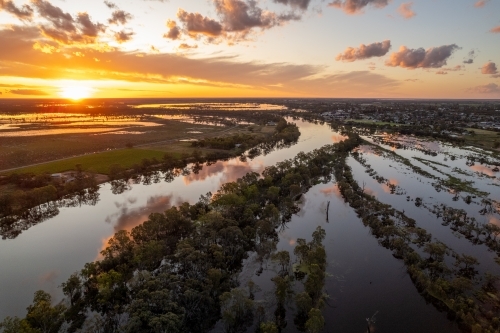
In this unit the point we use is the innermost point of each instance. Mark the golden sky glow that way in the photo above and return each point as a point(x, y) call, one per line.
point(269, 48)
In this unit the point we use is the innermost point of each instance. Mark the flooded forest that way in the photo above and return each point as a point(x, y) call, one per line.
point(293, 221)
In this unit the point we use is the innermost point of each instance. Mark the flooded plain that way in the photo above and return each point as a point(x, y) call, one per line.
point(364, 279)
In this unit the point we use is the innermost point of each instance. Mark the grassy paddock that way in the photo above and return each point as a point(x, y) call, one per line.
point(372, 122)
point(483, 138)
point(99, 163)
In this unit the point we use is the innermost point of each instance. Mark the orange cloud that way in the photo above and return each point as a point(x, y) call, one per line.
point(173, 32)
point(489, 68)
point(405, 10)
point(480, 3)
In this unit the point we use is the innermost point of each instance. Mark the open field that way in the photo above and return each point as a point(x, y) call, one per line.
point(98, 163)
point(372, 122)
point(101, 162)
point(482, 138)
point(20, 151)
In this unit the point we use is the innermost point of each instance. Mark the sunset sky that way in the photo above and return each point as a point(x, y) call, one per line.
point(250, 48)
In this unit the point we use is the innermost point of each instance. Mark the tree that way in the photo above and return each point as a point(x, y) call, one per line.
point(237, 311)
point(283, 259)
point(316, 322)
point(268, 328)
point(42, 316)
point(16, 325)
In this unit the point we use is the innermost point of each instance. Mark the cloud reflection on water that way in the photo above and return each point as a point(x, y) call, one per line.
point(337, 137)
point(334, 189)
point(483, 169)
point(231, 171)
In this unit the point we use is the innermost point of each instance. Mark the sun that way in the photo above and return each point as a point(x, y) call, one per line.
point(75, 92)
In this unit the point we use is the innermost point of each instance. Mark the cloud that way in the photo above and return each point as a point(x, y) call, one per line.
point(173, 30)
point(195, 24)
point(470, 57)
point(491, 88)
point(123, 36)
point(119, 17)
point(495, 30)
point(489, 68)
point(19, 58)
point(64, 28)
point(185, 46)
point(240, 16)
point(87, 27)
point(364, 51)
point(302, 4)
point(481, 3)
point(25, 13)
point(434, 57)
point(445, 71)
point(356, 6)
point(236, 20)
point(110, 5)
point(55, 15)
point(27, 92)
point(405, 10)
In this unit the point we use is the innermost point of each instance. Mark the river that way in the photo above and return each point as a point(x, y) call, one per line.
point(364, 279)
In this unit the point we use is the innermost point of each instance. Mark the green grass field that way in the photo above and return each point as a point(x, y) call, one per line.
point(372, 122)
point(98, 163)
point(483, 138)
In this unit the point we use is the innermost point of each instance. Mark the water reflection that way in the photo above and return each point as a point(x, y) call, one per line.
point(337, 137)
point(483, 169)
point(127, 218)
point(65, 242)
point(334, 189)
point(494, 220)
point(230, 170)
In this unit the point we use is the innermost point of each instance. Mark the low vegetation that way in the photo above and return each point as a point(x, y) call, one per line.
point(96, 163)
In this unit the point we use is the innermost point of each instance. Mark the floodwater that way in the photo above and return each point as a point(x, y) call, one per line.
point(363, 277)
point(214, 106)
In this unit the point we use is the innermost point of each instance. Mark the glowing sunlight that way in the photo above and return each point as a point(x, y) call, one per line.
point(75, 92)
